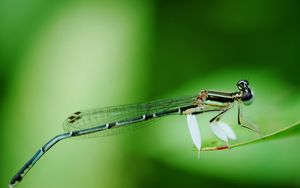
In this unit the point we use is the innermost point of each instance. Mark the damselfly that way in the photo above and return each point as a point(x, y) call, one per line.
point(109, 120)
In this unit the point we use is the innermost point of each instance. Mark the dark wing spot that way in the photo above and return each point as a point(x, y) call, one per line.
point(74, 117)
point(72, 121)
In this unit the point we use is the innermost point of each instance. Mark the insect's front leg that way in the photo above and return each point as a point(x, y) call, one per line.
point(244, 123)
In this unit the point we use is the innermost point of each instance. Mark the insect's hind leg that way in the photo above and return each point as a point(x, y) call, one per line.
point(219, 115)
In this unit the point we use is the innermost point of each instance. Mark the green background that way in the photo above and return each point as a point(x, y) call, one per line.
point(57, 57)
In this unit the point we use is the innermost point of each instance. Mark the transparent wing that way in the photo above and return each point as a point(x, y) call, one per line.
point(95, 117)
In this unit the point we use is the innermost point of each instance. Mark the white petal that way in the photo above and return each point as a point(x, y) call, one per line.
point(227, 130)
point(218, 131)
point(194, 130)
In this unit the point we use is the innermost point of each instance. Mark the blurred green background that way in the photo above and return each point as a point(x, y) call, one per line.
point(57, 57)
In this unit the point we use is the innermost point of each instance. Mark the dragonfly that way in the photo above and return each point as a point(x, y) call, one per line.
point(112, 120)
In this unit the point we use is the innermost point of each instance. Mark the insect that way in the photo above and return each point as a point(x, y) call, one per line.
point(111, 120)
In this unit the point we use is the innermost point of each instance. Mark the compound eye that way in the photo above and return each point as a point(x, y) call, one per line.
point(242, 84)
point(247, 98)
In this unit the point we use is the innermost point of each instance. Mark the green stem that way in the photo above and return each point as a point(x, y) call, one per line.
point(287, 131)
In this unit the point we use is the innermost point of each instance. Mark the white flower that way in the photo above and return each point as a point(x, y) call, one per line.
point(223, 131)
point(194, 131)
